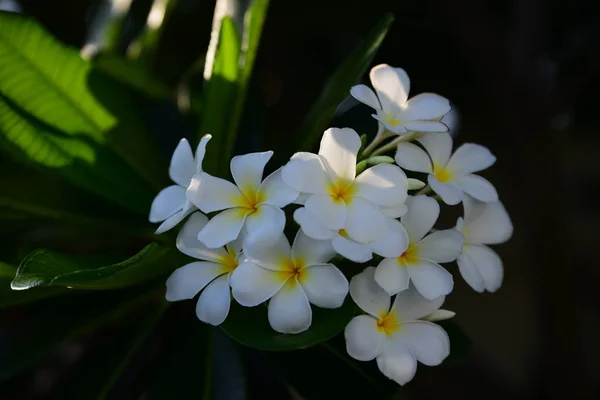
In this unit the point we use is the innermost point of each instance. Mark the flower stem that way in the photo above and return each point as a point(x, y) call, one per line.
point(378, 139)
point(425, 190)
point(392, 145)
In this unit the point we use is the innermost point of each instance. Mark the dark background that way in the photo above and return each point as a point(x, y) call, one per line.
point(524, 77)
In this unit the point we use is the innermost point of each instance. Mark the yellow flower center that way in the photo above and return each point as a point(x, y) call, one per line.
point(250, 200)
point(343, 233)
point(230, 261)
point(342, 191)
point(442, 174)
point(387, 323)
point(393, 121)
point(410, 256)
point(295, 270)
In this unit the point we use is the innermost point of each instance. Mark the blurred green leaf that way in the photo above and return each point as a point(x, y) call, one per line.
point(337, 87)
point(250, 327)
point(10, 298)
point(132, 73)
point(48, 268)
point(47, 324)
point(59, 113)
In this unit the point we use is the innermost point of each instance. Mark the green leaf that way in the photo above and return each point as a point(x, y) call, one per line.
point(338, 87)
point(250, 327)
point(361, 166)
point(60, 113)
point(10, 298)
point(48, 268)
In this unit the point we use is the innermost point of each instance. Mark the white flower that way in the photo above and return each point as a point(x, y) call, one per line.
point(338, 198)
point(392, 244)
point(290, 277)
point(419, 263)
point(251, 203)
point(395, 112)
point(171, 204)
point(211, 274)
point(484, 223)
point(449, 176)
point(397, 338)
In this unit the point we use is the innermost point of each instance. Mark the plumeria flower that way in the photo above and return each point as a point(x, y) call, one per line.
point(290, 277)
point(211, 273)
point(395, 112)
point(391, 244)
point(396, 337)
point(252, 204)
point(449, 176)
point(419, 263)
point(340, 199)
point(171, 204)
point(484, 223)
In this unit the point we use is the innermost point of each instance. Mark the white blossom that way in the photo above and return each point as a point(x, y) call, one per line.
point(419, 263)
point(252, 203)
point(212, 273)
point(340, 199)
point(395, 112)
point(449, 176)
point(290, 277)
point(483, 223)
point(171, 204)
point(396, 337)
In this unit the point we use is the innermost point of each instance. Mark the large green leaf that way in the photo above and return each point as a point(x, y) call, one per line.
point(60, 113)
point(250, 327)
point(48, 268)
point(337, 87)
point(10, 298)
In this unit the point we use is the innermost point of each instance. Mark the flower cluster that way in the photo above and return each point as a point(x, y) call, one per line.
point(338, 215)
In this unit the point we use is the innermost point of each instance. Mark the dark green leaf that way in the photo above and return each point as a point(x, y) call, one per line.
point(250, 327)
point(10, 298)
point(338, 87)
point(48, 268)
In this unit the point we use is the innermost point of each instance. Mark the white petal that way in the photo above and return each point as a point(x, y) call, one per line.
point(439, 148)
point(166, 203)
point(397, 362)
point(395, 212)
point(269, 252)
point(364, 341)
point(188, 243)
point(430, 279)
point(441, 246)
point(391, 276)
point(201, 151)
point(289, 310)
point(213, 303)
point(182, 166)
point(209, 193)
point(392, 86)
point(427, 126)
point(247, 171)
point(425, 106)
point(429, 342)
point(301, 199)
point(365, 222)
point(439, 315)
point(311, 226)
point(252, 285)
point(306, 173)
point(384, 184)
point(174, 219)
point(223, 228)
point(339, 148)
point(365, 95)
point(450, 193)
point(471, 157)
point(478, 187)
point(486, 223)
point(481, 268)
point(411, 157)
point(308, 251)
point(422, 213)
point(397, 129)
point(330, 212)
point(267, 220)
point(367, 294)
point(394, 243)
point(324, 285)
point(276, 192)
point(353, 251)
point(409, 305)
point(185, 282)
